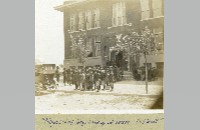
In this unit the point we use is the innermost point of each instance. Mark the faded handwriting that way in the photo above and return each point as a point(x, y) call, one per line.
point(51, 122)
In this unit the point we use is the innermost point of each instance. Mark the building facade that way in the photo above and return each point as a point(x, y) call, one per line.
point(152, 15)
point(97, 23)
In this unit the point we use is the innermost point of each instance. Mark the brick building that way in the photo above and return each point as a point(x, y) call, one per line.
point(100, 21)
point(152, 15)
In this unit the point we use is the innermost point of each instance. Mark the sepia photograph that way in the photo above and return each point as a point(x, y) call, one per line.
point(99, 56)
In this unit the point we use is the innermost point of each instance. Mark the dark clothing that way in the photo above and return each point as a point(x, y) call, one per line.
point(115, 73)
point(71, 77)
point(111, 81)
point(90, 78)
point(83, 78)
point(97, 76)
point(64, 77)
point(103, 76)
point(110, 78)
point(97, 79)
point(77, 79)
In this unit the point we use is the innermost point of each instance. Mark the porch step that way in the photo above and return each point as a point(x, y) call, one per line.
point(127, 75)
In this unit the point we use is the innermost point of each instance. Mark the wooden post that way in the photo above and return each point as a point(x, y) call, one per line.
point(129, 59)
point(146, 72)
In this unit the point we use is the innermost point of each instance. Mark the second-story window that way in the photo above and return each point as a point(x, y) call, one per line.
point(119, 14)
point(73, 22)
point(145, 9)
point(157, 8)
point(88, 18)
point(96, 15)
point(81, 21)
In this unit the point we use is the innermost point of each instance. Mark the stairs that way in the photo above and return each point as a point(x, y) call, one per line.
point(127, 75)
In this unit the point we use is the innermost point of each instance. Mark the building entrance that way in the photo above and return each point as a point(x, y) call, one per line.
point(118, 59)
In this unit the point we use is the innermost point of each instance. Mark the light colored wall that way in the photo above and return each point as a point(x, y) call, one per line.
point(152, 59)
point(91, 61)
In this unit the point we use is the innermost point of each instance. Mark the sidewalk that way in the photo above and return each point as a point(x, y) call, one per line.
point(120, 88)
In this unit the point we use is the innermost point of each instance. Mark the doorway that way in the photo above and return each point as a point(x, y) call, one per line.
point(117, 58)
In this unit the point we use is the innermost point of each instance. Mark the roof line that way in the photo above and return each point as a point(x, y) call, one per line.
point(61, 7)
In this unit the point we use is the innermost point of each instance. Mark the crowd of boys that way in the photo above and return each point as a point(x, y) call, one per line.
point(90, 78)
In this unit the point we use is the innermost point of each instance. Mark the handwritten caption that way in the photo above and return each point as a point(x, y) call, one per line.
point(51, 122)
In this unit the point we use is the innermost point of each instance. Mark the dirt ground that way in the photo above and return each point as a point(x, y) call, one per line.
point(61, 102)
point(127, 95)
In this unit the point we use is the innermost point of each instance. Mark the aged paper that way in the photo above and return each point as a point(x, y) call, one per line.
point(99, 64)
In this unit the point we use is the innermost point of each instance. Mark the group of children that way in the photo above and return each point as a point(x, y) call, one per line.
point(89, 79)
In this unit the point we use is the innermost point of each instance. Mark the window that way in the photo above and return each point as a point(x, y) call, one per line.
point(97, 43)
point(145, 9)
point(88, 17)
point(119, 14)
point(89, 47)
point(157, 8)
point(81, 21)
point(50, 68)
point(73, 22)
point(96, 16)
point(159, 38)
point(97, 49)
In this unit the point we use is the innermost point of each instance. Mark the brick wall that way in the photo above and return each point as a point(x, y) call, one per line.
point(133, 13)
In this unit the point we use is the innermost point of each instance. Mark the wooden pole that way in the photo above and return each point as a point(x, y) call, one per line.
point(146, 72)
